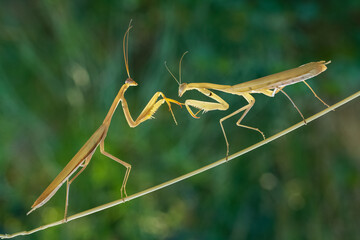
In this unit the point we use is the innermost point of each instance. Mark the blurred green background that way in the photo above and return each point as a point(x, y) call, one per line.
point(61, 65)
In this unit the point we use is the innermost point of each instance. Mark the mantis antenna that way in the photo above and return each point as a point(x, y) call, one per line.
point(126, 49)
point(179, 82)
point(171, 73)
point(180, 65)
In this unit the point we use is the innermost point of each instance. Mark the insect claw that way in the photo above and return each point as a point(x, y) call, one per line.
point(263, 135)
point(191, 112)
point(169, 101)
point(122, 195)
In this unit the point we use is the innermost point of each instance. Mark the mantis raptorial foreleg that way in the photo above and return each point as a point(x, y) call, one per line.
point(149, 109)
point(220, 104)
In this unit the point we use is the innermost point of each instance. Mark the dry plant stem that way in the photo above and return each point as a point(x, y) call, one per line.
point(181, 178)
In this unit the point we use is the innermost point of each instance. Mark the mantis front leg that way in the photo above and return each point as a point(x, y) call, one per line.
point(206, 106)
point(149, 110)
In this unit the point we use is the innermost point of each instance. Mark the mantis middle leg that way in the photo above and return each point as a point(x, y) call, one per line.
point(125, 164)
point(251, 100)
point(271, 93)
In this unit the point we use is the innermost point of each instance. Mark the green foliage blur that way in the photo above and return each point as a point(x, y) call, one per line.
point(61, 65)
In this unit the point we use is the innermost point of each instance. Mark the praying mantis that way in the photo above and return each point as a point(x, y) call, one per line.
point(84, 155)
point(269, 85)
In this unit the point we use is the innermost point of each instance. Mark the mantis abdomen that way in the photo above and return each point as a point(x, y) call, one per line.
point(281, 79)
point(70, 168)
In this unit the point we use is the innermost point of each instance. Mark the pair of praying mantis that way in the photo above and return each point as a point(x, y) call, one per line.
point(269, 86)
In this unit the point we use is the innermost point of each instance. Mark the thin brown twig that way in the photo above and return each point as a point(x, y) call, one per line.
point(188, 175)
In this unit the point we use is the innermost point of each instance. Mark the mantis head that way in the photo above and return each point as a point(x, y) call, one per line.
point(182, 89)
point(131, 82)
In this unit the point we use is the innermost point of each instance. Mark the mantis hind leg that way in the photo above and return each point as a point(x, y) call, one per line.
point(315, 94)
point(251, 100)
point(125, 164)
point(83, 165)
point(294, 106)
